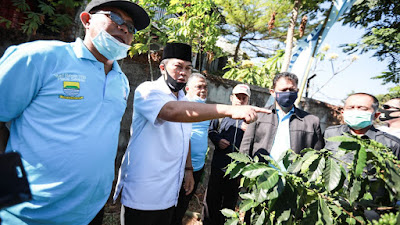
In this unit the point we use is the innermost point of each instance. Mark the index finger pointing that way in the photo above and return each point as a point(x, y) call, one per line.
point(262, 110)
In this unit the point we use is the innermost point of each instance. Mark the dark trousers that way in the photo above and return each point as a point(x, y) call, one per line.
point(146, 217)
point(222, 192)
point(183, 200)
point(98, 219)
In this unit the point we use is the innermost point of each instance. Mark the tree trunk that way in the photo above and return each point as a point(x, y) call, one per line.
point(235, 57)
point(289, 37)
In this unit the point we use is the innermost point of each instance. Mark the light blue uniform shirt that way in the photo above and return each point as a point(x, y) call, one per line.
point(153, 166)
point(282, 138)
point(199, 143)
point(65, 118)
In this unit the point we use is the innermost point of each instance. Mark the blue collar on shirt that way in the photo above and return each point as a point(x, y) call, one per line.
point(287, 116)
point(82, 52)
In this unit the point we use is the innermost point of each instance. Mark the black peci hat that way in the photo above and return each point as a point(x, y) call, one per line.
point(178, 51)
point(139, 16)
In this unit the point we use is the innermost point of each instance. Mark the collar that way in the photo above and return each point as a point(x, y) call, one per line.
point(371, 132)
point(296, 112)
point(82, 52)
point(288, 114)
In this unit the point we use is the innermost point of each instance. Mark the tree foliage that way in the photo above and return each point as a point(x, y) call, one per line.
point(190, 21)
point(47, 16)
point(317, 187)
point(381, 18)
point(394, 92)
point(250, 20)
point(245, 71)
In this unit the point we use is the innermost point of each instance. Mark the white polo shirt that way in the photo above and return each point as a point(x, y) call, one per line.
point(153, 166)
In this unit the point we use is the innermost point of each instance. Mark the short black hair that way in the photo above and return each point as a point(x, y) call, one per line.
point(291, 76)
point(375, 103)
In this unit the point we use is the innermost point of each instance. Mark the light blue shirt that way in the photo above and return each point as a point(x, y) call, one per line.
point(199, 143)
point(65, 118)
point(153, 166)
point(282, 137)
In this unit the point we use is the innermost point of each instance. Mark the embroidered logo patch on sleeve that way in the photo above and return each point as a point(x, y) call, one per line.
point(71, 90)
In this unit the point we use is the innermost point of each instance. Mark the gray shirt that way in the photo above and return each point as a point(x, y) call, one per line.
point(386, 139)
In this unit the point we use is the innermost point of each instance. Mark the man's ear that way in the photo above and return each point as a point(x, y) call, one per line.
point(377, 114)
point(186, 88)
point(85, 19)
point(162, 67)
point(272, 92)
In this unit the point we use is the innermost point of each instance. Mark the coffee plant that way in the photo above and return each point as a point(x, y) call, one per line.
point(318, 187)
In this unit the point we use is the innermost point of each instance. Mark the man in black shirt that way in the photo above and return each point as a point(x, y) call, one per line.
point(226, 134)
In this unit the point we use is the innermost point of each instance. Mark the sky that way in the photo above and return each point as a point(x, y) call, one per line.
point(357, 77)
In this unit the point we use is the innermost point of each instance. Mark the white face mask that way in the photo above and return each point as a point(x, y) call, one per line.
point(357, 119)
point(110, 47)
point(196, 98)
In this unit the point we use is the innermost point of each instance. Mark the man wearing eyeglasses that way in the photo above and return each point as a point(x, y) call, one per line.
point(64, 103)
point(390, 115)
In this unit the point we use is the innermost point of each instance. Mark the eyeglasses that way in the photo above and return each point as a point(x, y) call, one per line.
point(118, 20)
point(389, 107)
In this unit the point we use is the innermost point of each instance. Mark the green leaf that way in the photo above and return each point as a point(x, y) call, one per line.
point(306, 165)
point(254, 170)
point(342, 138)
point(236, 171)
point(262, 195)
point(295, 167)
point(240, 157)
point(276, 191)
point(319, 170)
point(229, 213)
point(325, 211)
point(246, 205)
point(233, 221)
point(230, 167)
point(349, 146)
point(284, 216)
point(311, 213)
point(355, 190)
point(247, 196)
point(393, 177)
point(261, 218)
point(268, 180)
point(361, 161)
point(331, 174)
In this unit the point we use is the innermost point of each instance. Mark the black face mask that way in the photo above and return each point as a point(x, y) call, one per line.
point(286, 99)
point(174, 85)
point(386, 114)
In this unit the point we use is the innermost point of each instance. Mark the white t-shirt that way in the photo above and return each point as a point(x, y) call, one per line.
point(394, 132)
point(153, 166)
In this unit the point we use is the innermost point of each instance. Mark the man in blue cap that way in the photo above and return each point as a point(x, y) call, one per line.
point(157, 159)
point(64, 103)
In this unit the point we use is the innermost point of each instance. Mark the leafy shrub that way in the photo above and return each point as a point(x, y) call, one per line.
point(317, 187)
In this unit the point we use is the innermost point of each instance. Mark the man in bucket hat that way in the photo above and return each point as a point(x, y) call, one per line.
point(157, 159)
point(64, 103)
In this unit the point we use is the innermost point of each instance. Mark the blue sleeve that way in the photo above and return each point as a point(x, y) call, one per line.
point(20, 81)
